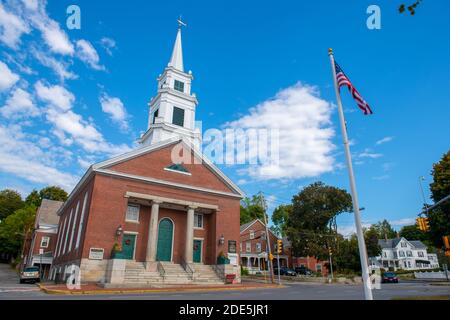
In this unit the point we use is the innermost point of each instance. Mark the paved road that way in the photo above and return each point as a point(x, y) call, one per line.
point(10, 289)
point(9, 282)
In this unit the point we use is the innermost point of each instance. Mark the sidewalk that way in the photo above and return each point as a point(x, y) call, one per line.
point(95, 289)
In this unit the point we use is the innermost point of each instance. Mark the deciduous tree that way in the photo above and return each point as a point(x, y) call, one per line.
point(10, 201)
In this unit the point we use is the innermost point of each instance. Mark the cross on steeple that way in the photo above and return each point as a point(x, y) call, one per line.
point(181, 23)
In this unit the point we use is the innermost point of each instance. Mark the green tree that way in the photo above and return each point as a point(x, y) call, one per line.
point(371, 240)
point(384, 230)
point(33, 198)
point(311, 225)
point(253, 208)
point(413, 233)
point(346, 259)
point(53, 193)
point(280, 218)
point(440, 188)
point(10, 201)
point(14, 228)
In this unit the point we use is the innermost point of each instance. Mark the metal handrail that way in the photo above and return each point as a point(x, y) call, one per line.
point(187, 268)
point(161, 270)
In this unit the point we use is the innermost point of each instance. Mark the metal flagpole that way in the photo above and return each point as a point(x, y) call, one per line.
point(359, 231)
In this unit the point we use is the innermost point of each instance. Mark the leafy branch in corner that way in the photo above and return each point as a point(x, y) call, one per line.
point(411, 8)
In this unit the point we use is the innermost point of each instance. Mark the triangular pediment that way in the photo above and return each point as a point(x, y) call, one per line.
point(161, 163)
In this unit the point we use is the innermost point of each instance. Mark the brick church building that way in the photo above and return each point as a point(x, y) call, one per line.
point(145, 216)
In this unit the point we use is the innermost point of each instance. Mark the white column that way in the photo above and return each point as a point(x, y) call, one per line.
point(153, 233)
point(189, 235)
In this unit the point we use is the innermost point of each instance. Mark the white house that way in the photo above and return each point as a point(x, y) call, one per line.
point(403, 254)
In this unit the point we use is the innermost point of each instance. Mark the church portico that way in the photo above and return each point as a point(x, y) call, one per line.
point(181, 216)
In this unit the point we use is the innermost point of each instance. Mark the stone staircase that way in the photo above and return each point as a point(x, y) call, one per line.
point(136, 274)
point(205, 274)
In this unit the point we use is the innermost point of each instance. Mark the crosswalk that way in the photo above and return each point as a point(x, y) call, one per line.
point(18, 289)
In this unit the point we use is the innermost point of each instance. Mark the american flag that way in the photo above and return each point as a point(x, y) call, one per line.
point(343, 80)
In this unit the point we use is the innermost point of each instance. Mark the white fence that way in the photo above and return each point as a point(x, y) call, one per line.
point(430, 275)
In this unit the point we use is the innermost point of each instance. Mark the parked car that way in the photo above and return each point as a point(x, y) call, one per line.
point(284, 271)
point(389, 277)
point(303, 271)
point(30, 274)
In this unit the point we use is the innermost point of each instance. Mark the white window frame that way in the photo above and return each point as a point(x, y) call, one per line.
point(252, 234)
point(258, 247)
point(196, 216)
point(73, 226)
point(47, 240)
point(61, 239)
point(67, 232)
point(127, 218)
point(248, 247)
point(80, 225)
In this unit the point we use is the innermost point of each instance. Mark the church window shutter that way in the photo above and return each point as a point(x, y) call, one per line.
point(178, 116)
point(179, 86)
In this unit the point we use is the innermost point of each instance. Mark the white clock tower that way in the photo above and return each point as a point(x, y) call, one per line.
point(172, 110)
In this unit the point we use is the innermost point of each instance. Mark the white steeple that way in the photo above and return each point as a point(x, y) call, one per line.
point(172, 110)
point(176, 60)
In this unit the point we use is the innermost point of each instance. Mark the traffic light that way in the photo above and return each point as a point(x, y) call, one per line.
point(423, 224)
point(330, 251)
point(270, 256)
point(446, 240)
point(279, 246)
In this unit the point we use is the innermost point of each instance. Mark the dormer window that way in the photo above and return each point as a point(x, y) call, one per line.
point(179, 86)
point(178, 116)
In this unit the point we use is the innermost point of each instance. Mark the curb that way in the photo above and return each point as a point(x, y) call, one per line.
point(159, 290)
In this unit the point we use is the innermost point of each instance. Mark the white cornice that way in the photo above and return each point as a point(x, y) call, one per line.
point(165, 183)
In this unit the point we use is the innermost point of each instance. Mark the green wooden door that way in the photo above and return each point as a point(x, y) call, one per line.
point(128, 242)
point(165, 235)
point(197, 252)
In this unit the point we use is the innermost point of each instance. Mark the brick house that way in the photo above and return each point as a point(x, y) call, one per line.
point(40, 244)
point(254, 249)
point(147, 215)
point(310, 262)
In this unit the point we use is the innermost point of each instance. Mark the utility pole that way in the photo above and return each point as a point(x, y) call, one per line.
point(269, 251)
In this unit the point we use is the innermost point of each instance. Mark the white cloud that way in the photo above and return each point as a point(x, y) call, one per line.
point(108, 44)
point(87, 53)
point(56, 95)
point(367, 153)
point(384, 140)
point(383, 177)
point(59, 67)
point(115, 108)
point(56, 39)
point(11, 28)
point(403, 222)
point(70, 127)
point(305, 133)
point(22, 158)
point(7, 77)
point(350, 229)
point(19, 105)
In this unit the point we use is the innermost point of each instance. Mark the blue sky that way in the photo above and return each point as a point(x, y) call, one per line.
point(69, 98)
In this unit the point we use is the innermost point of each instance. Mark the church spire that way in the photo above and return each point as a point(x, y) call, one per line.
point(176, 60)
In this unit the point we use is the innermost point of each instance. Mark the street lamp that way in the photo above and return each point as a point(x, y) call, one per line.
point(422, 178)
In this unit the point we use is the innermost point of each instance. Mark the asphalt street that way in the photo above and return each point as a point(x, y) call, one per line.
point(11, 289)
